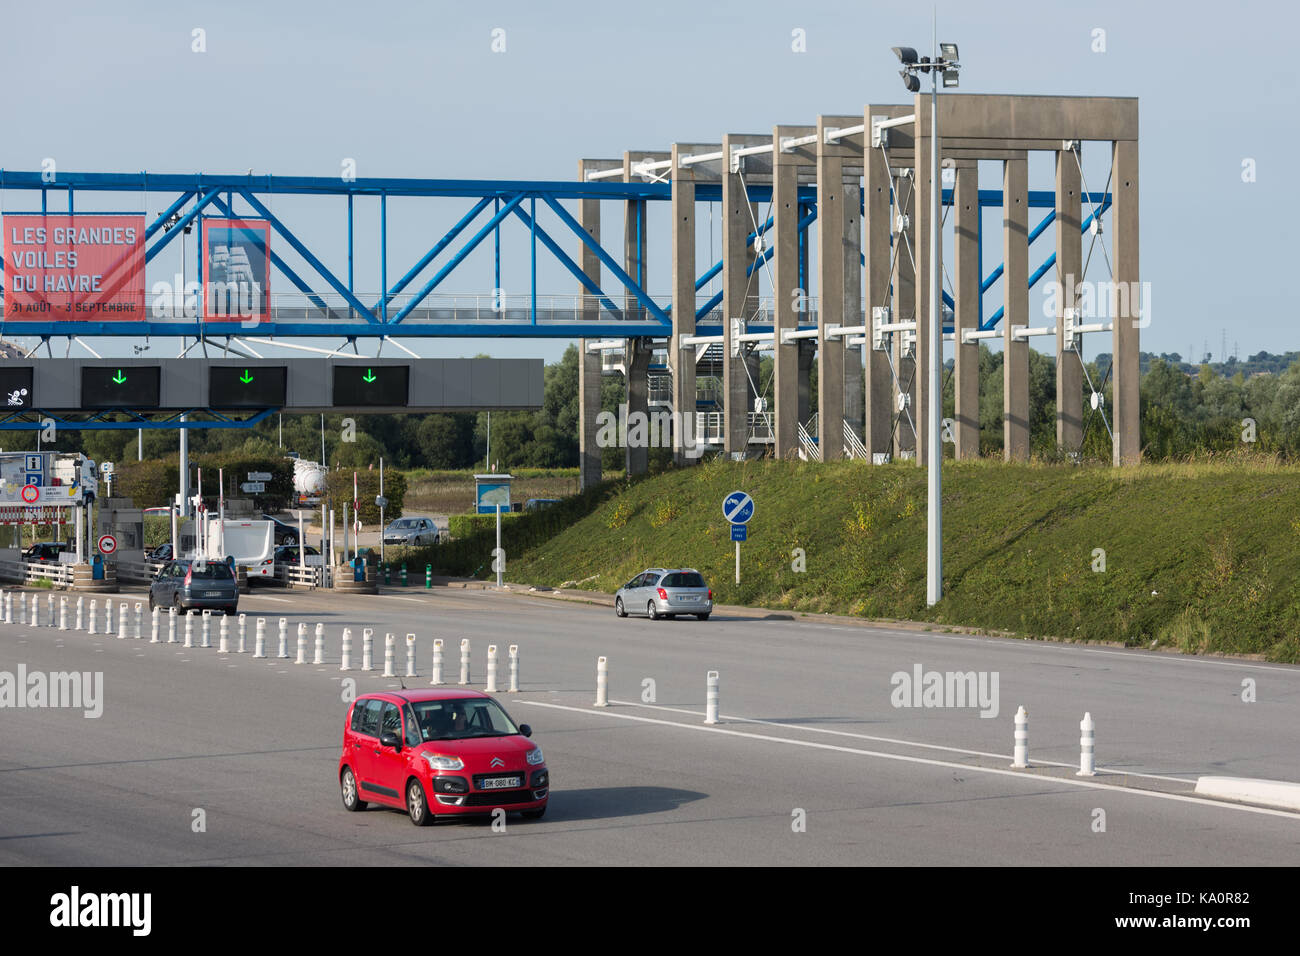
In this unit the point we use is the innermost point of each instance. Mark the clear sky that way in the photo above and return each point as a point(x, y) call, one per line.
point(415, 89)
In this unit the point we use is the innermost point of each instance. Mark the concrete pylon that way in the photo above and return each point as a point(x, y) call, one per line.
point(1128, 309)
point(785, 315)
point(740, 281)
point(589, 363)
point(966, 298)
point(1069, 271)
point(877, 384)
point(839, 241)
point(1015, 289)
point(637, 352)
point(905, 310)
point(681, 358)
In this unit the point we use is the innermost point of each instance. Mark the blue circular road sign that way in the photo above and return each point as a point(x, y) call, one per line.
point(738, 507)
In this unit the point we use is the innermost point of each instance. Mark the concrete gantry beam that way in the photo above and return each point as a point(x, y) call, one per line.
point(1129, 309)
point(839, 243)
point(786, 166)
point(589, 363)
point(966, 298)
point(739, 285)
point(681, 358)
point(1015, 290)
point(1069, 271)
point(634, 263)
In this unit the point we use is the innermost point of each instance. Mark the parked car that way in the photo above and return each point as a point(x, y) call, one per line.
point(537, 504)
point(665, 592)
point(47, 552)
point(412, 531)
point(283, 532)
point(288, 554)
point(191, 585)
point(440, 752)
point(161, 553)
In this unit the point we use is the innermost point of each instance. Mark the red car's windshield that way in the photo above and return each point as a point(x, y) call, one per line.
point(462, 719)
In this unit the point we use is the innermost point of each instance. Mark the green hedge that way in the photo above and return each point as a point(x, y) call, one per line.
point(462, 526)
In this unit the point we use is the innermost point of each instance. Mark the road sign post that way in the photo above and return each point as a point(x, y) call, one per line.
point(738, 508)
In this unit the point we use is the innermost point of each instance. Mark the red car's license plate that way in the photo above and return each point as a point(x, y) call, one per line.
point(500, 783)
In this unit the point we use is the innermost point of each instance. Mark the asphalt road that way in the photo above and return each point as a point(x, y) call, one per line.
point(808, 725)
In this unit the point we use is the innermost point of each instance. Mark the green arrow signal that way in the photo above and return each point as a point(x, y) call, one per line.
point(369, 376)
point(246, 377)
point(119, 377)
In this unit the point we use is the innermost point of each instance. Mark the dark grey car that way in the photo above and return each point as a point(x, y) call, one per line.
point(665, 592)
point(186, 584)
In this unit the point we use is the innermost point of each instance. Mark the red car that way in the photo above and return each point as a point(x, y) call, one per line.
point(440, 753)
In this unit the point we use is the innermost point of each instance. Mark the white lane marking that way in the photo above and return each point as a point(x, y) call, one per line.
point(393, 597)
point(946, 764)
point(263, 597)
point(892, 740)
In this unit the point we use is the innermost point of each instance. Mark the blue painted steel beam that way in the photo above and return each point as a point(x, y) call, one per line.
point(137, 422)
point(635, 288)
point(587, 283)
point(459, 257)
point(179, 230)
point(438, 246)
point(306, 253)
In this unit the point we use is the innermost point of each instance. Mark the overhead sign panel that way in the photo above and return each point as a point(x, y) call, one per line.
point(16, 392)
point(120, 386)
point(373, 386)
point(247, 386)
point(84, 267)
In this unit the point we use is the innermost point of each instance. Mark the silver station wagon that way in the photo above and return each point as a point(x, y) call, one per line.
point(665, 592)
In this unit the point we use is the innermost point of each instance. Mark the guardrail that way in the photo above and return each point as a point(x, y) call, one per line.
point(23, 573)
point(136, 572)
point(291, 575)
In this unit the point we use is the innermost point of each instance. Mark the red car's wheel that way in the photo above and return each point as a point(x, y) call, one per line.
point(351, 798)
point(416, 804)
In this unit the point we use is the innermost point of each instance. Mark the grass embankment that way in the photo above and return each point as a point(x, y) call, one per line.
point(1203, 557)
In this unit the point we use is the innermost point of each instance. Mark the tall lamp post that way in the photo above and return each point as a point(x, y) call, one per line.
point(947, 65)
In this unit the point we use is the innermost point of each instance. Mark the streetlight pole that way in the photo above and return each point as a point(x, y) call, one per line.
point(948, 66)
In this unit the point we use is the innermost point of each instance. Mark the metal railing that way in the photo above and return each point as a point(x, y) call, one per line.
point(20, 572)
point(853, 445)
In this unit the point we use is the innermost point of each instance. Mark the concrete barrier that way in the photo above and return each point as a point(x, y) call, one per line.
point(1270, 793)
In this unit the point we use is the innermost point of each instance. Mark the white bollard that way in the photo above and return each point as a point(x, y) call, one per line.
point(207, 618)
point(49, 610)
point(711, 697)
point(346, 663)
point(36, 611)
point(302, 643)
point(514, 668)
point(121, 620)
point(259, 641)
point(410, 655)
point(171, 625)
point(189, 628)
point(464, 660)
point(9, 608)
point(139, 621)
point(93, 608)
point(492, 669)
point(284, 638)
point(223, 645)
point(81, 613)
point(367, 648)
point(1022, 739)
point(22, 609)
point(436, 672)
point(243, 633)
point(153, 626)
point(1087, 747)
point(108, 617)
point(63, 613)
point(602, 682)
point(389, 640)
point(319, 657)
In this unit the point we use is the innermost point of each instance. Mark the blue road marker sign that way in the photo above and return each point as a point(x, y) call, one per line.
point(738, 507)
point(738, 532)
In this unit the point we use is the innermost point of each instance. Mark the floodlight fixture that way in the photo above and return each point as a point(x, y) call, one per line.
point(906, 55)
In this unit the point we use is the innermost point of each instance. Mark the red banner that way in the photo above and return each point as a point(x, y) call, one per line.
point(86, 267)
